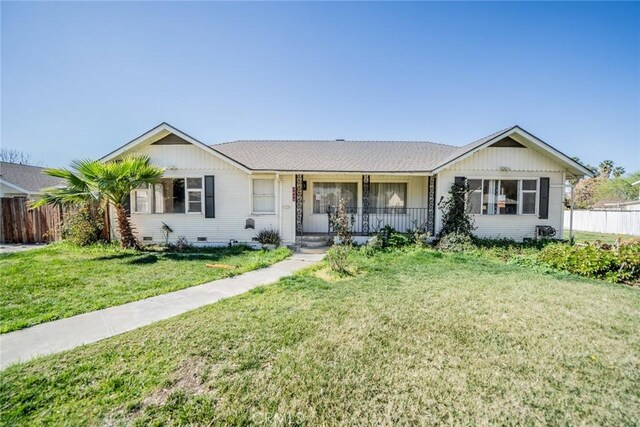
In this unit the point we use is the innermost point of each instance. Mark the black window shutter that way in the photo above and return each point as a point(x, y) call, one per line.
point(209, 197)
point(459, 181)
point(543, 210)
point(127, 204)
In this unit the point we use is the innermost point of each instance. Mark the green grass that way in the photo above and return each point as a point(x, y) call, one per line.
point(63, 280)
point(587, 237)
point(416, 337)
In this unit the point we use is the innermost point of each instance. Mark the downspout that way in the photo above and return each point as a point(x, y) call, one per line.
point(571, 216)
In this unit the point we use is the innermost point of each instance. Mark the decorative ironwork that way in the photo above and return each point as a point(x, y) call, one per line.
point(431, 205)
point(366, 184)
point(299, 200)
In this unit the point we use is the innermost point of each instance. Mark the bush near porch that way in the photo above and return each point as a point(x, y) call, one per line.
point(62, 280)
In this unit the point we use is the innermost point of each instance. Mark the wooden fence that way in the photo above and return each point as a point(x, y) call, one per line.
point(19, 224)
point(614, 222)
point(23, 225)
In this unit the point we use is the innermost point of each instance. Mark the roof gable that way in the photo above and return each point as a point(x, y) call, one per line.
point(521, 137)
point(168, 135)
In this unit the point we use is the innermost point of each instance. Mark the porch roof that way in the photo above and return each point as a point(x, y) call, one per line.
point(337, 156)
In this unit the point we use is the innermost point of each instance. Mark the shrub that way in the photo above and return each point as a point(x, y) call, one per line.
point(268, 236)
point(80, 227)
point(342, 223)
point(455, 242)
point(455, 217)
point(388, 238)
point(181, 244)
point(338, 259)
point(611, 263)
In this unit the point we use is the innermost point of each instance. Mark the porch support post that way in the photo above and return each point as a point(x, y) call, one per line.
point(431, 205)
point(366, 183)
point(299, 199)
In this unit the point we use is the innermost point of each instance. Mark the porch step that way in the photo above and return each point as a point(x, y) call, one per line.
point(314, 241)
point(314, 244)
point(313, 250)
point(315, 238)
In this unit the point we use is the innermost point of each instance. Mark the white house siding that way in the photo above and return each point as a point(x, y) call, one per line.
point(508, 163)
point(232, 200)
point(416, 194)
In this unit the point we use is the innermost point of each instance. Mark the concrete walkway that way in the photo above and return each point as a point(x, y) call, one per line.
point(63, 334)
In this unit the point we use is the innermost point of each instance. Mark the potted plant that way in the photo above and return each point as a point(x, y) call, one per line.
point(269, 238)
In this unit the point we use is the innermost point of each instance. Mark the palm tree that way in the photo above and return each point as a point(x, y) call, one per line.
point(606, 166)
point(105, 182)
point(618, 171)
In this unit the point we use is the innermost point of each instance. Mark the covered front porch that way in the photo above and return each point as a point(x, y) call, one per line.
point(373, 201)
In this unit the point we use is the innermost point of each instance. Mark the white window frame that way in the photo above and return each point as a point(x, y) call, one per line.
point(134, 200)
point(520, 192)
point(536, 191)
point(253, 196)
point(188, 190)
point(151, 197)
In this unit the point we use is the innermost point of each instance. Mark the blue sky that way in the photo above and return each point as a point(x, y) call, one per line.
point(80, 79)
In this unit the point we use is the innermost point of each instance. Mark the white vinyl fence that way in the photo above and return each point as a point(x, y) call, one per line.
point(614, 222)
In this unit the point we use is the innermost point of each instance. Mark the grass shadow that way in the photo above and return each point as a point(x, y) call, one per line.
point(146, 259)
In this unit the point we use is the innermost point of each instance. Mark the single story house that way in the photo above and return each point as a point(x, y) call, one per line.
point(228, 192)
point(28, 181)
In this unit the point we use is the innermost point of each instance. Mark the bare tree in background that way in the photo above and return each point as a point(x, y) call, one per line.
point(11, 155)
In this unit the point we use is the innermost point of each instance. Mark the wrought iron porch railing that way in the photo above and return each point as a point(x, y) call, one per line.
point(400, 219)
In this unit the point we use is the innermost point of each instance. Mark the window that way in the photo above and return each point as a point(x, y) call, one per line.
point(475, 196)
point(170, 195)
point(388, 197)
point(194, 195)
point(264, 196)
point(141, 199)
point(502, 196)
point(529, 191)
point(327, 195)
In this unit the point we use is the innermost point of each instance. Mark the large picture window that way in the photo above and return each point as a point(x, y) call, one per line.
point(388, 197)
point(328, 194)
point(264, 196)
point(502, 196)
point(170, 195)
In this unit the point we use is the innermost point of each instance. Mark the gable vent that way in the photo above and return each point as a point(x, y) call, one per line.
point(507, 142)
point(171, 139)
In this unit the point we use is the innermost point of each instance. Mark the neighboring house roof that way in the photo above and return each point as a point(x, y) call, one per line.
point(349, 156)
point(337, 155)
point(27, 179)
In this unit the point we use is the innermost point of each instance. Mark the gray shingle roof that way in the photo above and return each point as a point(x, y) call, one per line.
point(337, 156)
point(30, 178)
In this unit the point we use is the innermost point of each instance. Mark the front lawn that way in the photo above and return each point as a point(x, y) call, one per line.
point(63, 280)
point(415, 337)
